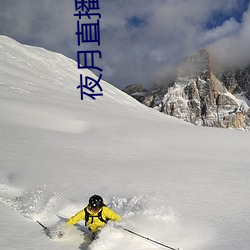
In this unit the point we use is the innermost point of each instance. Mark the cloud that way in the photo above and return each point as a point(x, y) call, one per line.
point(40, 22)
point(228, 28)
point(141, 41)
point(233, 49)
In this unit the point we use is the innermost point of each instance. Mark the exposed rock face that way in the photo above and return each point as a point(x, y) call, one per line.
point(237, 81)
point(137, 91)
point(199, 97)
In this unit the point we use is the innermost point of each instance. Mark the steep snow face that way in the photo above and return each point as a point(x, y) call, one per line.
point(30, 70)
point(42, 78)
point(179, 184)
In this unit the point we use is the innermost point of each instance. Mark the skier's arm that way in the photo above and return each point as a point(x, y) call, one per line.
point(110, 214)
point(77, 217)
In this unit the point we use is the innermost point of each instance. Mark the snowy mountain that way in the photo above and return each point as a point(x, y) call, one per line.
point(201, 95)
point(182, 185)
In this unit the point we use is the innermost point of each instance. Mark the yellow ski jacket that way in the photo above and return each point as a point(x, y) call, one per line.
point(94, 223)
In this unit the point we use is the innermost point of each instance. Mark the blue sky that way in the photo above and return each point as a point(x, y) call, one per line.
point(218, 17)
point(142, 41)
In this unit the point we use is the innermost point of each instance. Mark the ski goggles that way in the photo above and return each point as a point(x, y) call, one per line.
point(94, 208)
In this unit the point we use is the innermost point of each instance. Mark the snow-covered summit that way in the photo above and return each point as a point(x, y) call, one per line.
point(39, 69)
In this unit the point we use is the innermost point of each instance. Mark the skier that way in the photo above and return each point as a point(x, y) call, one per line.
point(95, 214)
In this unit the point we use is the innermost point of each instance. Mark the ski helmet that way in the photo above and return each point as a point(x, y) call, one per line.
point(95, 202)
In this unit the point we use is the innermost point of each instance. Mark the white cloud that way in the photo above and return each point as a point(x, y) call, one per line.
point(228, 28)
point(171, 31)
point(233, 50)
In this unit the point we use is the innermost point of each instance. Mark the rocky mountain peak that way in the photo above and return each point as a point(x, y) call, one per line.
point(196, 64)
point(202, 97)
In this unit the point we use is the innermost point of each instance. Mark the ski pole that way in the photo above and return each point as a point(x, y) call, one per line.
point(45, 228)
point(146, 238)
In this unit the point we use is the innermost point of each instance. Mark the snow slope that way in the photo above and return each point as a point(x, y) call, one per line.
point(173, 182)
